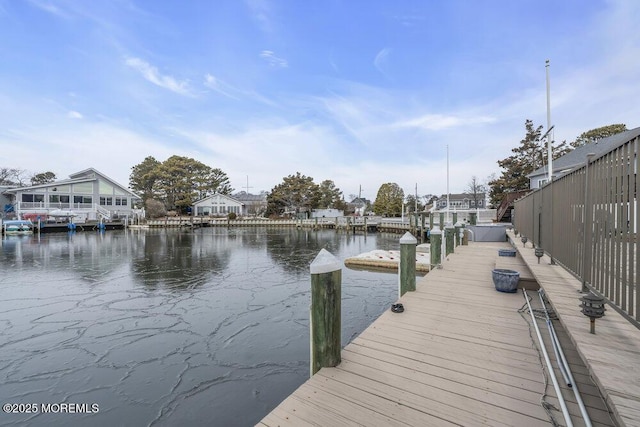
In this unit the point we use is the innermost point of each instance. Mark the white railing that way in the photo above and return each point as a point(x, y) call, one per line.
point(104, 213)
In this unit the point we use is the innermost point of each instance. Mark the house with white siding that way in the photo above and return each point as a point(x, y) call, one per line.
point(86, 195)
point(217, 205)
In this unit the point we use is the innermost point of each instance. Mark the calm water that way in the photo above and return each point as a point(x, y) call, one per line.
point(169, 327)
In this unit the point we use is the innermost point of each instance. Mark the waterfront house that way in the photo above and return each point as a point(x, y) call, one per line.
point(358, 206)
point(218, 205)
point(86, 195)
point(578, 156)
point(462, 201)
point(252, 204)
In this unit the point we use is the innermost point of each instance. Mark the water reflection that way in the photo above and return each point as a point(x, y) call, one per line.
point(179, 259)
point(169, 327)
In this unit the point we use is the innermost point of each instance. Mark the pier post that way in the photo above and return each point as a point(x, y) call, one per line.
point(325, 322)
point(455, 217)
point(448, 234)
point(423, 230)
point(407, 269)
point(458, 237)
point(441, 220)
point(473, 218)
point(435, 248)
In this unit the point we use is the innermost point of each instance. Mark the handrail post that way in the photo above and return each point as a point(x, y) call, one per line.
point(325, 321)
point(407, 269)
point(587, 228)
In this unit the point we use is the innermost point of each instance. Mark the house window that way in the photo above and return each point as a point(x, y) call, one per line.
point(83, 199)
point(84, 187)
point(106, 201)
point(121, 201)
point(541, 183)
point(105, 187)
point(33, 197)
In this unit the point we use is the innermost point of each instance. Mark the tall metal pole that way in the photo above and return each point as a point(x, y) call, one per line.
point(447, 183)
point(550, 140)
point(550, 136)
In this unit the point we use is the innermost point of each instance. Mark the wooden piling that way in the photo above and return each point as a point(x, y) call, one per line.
point(448, 235)
point(435, 249)
point(407, 268)
point(325, 322)
point(458, 237)
point(473, 218)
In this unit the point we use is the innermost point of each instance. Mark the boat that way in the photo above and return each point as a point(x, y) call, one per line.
point(18, 226)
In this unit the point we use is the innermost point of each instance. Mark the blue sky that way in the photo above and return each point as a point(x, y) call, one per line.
point(360, 92)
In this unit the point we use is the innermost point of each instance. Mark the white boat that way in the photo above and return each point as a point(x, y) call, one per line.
point(59, 213)
point(18, 226)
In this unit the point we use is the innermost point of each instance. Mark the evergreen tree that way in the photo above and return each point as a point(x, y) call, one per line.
point(527, 157)
point(297, 193)
point(598, 133)
point(389, 200)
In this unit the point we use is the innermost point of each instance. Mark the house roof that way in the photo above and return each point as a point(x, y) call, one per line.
point(224, 196)
point(578, 156)
point(248, 197)
point(460, 196)
point(361, 201)
point(86, 175)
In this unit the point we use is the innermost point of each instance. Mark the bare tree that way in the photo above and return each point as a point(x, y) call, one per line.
point(12, 176)
point(477, 190)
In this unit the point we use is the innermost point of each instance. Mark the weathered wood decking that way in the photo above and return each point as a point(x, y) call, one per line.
point(460, 354)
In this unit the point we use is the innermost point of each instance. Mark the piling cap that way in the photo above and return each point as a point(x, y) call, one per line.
point(408, 239)
point(324, 262)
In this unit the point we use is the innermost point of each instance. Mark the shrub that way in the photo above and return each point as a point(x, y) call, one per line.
point(232, 215)
point(154, 208)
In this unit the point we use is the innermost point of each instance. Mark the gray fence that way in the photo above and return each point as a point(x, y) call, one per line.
point(597, 244)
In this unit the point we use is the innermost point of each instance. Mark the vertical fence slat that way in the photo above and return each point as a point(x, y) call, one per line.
point(636, 225)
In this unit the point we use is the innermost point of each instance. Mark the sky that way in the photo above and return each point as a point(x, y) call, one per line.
point(361, 92)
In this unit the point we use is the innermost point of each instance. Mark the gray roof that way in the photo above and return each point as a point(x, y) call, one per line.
point(578, 156)
point(459, 196)
point(248, 197)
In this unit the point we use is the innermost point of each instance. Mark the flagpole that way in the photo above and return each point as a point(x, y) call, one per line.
point(447, 183)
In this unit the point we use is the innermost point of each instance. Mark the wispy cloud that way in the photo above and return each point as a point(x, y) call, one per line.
point(212, 82)
point(152, 74)
point(441, 121)
point(74, 115)
point(49, 7)
point(381, 59)
point(273, 60)
point(261, 12)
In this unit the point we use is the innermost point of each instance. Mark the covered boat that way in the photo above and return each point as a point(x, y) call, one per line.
point(18, 226)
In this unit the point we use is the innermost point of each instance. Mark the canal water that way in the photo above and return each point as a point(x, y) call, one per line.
point(169, 327)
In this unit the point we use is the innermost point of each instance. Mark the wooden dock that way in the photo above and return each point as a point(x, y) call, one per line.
point(460, 354)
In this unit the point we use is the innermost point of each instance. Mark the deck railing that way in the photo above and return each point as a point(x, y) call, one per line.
point(597, 244)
